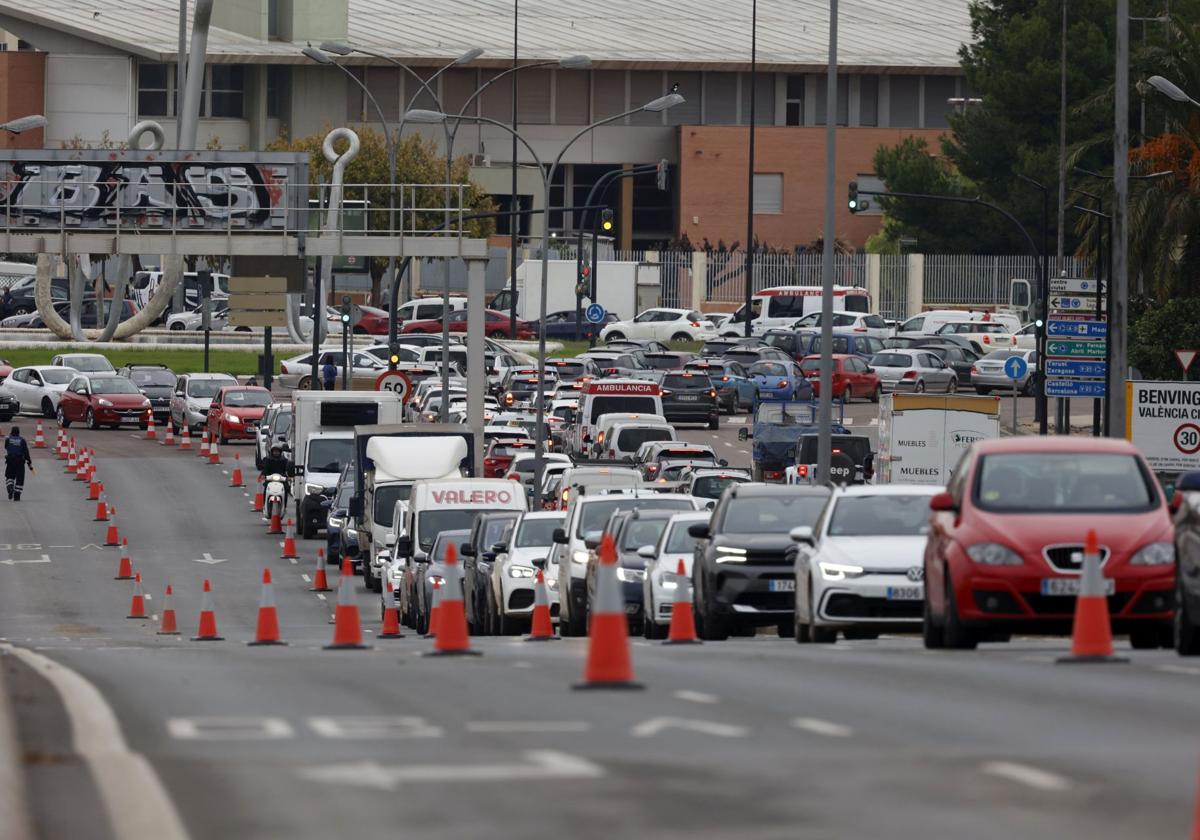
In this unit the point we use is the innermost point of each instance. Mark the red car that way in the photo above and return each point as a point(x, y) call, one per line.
point(1001, 556)
point(373, 322)
point(495, 325)
point(235, 412)
point(500, 455)
point(852, 377)
point(103, 400)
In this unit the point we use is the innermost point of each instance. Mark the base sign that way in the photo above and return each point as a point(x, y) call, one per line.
point(595, 313)
point(1162, 419)
point(397, 382)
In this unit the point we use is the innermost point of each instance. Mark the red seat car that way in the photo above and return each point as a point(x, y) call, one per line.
point(103, 400)
point(496, 325)
point(500, 455)
point(1001, 556)
point(235, 412)
point(852, 377)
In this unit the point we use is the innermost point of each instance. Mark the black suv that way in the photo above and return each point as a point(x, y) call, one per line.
point(689, 397)
point(743, 575)
point(157, 382)
point(478, 554)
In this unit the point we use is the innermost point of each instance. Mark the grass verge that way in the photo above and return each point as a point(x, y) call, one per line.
point(181, 361)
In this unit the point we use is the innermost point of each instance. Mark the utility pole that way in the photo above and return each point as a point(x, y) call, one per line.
point(1119, 276)
point(514, 221)
point(1063, 414)
point(825, 411)
point(750, 170)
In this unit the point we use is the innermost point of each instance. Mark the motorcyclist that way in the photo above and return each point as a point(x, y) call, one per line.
point(275, 462)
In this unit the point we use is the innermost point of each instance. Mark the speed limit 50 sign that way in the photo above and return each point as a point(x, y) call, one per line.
point(1162, 419)
point(396, 381)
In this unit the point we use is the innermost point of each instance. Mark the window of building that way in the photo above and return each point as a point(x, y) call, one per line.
point(868, 100)
point(278, 86)
point(904, 101)
point(227, 90)
point(273, 19)
point(937, 90)
point(843, 103)
point(768, 192)
point(794, 100)
point(533, 97)
point(645, 86)
point(764, 102)
point(155, 90)
point(608, 93)
point(457, 86)
point(572, 97)
point(720, 98)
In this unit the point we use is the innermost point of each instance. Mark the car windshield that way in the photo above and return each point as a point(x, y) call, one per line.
point(712, 486)
point(768, 369)
point(248, 399)
point(880, 516)
point(1063, 482)
point(444, 541)
point(58, 376)
point(623, 405)
point(430, 523)
point(328, 455)
point(496, 529)
point(570, 370)
point(203, 388)
point(152, 378)
point(770, 514)
point(113, 385)
point(679, 541)
point(681, 381)
point(891, 360)
point(630, 439)
point(386, 497)
point(640, 532)
point(87, 363)
point(596, 513)
point(537, 532)
point(1001, 355)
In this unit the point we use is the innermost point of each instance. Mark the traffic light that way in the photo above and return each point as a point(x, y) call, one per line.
point(663, 175)
point(347, 310)
point(606, 220)
point(394, 355)
point(856, 204)
point(583, 287)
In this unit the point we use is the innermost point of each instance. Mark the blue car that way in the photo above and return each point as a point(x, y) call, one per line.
point(562, 325)
point(735, 388)
point(780, 381)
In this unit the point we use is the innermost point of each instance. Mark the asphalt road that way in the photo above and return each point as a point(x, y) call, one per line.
point(756, 738)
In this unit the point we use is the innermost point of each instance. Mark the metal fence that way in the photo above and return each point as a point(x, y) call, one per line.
point(982, 280)
point(726, 273)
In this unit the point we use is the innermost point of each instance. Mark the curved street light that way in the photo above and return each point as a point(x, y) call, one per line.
point(28, 123)
point(1170, 90)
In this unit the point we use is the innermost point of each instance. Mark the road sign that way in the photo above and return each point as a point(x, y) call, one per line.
point(1076, 349)
point(1075, 368)
point(595, 313)
point(1073, 303)
point(1015, 367)
point(1185, 357)
point(1072, 286)
point(1163, 421)
point(1075, 388)
point(258, 301)
point(1076, 329)
point(396, 381)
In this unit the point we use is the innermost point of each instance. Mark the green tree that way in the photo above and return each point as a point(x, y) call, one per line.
point(936, 226)
point(1161, 330)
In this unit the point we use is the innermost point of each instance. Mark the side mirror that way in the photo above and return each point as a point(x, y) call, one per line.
point(646, 552)
point(389, 539)
point(942, 503)
point(403, 546)
point(743, 433)
point(559, 536)
point(723, 462)
point(499, 548)
point(466, 550)
point(699, 530)
point(327, 503)
point(540, 562)
point(870, 369)
point(592, 542)
point(802, 534)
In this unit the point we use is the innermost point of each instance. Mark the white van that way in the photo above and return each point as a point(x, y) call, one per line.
point(778, 307)
point(620, 434)
point(608, 396)
point(929, 322)
point(146, 283)
point(447, 504)
point(427, 309)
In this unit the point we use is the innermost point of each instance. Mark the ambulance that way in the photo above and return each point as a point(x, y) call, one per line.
point(608, 396)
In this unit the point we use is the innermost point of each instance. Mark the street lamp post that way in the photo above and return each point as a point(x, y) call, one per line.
point(20, 124)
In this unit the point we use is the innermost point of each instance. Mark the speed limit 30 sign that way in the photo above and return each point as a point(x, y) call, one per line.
point(1187, 439)
point(396, 381)
point(1162, 419)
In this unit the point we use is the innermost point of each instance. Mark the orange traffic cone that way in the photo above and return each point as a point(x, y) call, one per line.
point(204, 443)
point(185, 438)
point(259, 499)
point(113, 537)
point(683, 624)
point(168, 626)
point(207, 631)
point(125, 565)
point(101, 508)
point(289, 543)
point(608, 661)
point(267, 631)
point(452, 638)
point(235, 480)
point(39, 437)
point(276, 526)
point(151, 431)
point(81, 468)
point(347, 629)
point(391, 615)
point(434, 611)
point(319, 583)
point(94, 488)
point(1091, 637)
point(72, 461)
point(542, 628)
point(61, 447)
point(214, 452)
point(137, 608)
point(169, 440)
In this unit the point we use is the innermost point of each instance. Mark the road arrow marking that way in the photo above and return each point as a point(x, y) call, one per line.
point(823, 727)
point(45, 558)
point(90, 545)
point(209, 559)
point(542, 765)
point(654, 726)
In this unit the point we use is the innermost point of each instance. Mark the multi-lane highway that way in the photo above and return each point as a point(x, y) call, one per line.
point(755, 737)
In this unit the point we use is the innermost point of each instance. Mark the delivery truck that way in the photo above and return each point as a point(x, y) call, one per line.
point(617, 285)
point(923, 436)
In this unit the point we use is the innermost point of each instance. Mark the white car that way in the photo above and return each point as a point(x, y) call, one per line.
point(862, 570)
point(664, 325)
point(38, 388)
point(84, 362)
point(193, 397)
point(1027, 337)
point(984, 336)
point(675, 545)
point(514, 572)
point(859, 322)
point(296, 372)
point(914, 370)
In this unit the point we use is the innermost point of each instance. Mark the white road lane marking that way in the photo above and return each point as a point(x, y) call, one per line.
point(229, 728)
point(321, 595)
point(535, 726)
point(367, 728)
point(823, 727)
point(654, 726)
point(135, 799)
point(305, 578)
point(696, 697)
point(1023, 774)
point(1179, 669)
point(541, 765)
point(209, 559)
point(293, 560)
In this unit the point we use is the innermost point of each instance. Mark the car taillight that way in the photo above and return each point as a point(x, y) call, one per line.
point(565, 495)
point(489, 462)
point(974, 370)
point(612, 454)
point(600, 439)
point(910, 374)
point(693, 323)
point(802, 470)
point(513, 476)
point(782, 383)
point(724, 378)
point(611, 370)
point(508, 398)
point(652, 468)
point(987, 339)
point(773, 474)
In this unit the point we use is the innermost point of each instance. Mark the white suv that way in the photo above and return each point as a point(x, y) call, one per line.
point(663, 325)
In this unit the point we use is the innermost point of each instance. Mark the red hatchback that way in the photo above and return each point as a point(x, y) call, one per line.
point(235, 412)
point(495, 325)
point(1001, 556)
point(852, 377)
point(501, 453)
point(103, 400)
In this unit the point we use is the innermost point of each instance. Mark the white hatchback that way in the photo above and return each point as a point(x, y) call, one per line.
point(664, 325)
point(662, 580)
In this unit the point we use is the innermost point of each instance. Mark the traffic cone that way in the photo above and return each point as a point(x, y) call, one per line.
point(167, 627)
point(169, 440)
point(185, 438)
point(72, 461)
point(81, 468)
point(434, 611)
point(683, 625)
point(204, 443)
point(608, 661)
point(289, 543)
point(267, 630)
point(101, 508)
point(151, 430)
point(276, 526)
point(91, 470)
point(542, 628)
point(112, 537)
point(259, 500)
point(207, 631)
point(39, 437)
point(391, 615)
point(452, 638)
point(125, 565)
point(60, 447)
point(319, 583)
point(1091, 637)
point(214, 453)
point(235, 480)
point(347, 629)
point(137, 607)
point(94, 488)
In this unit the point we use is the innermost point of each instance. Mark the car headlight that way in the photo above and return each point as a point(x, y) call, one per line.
point(233, 419)
point(521, 571)
point(351, 534)
point(668, 582)
point(336, 521)
point(551, 584)
point(630, 575)
point(838, 571)
point(104, 403)
point(994, 554)
point(313, 489)
point(1154, 554)
point(730, 554)
point(436, 579)
point(580, 557)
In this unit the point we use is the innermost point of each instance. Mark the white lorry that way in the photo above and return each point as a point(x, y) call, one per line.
point(622, 288)
point(923, 436)
point(321, 443)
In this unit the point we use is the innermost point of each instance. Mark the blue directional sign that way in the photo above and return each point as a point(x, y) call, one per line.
point(1075, 387)
point(1015, 367)
point(595, 313)
point(1079, 329)
point(1076, 367)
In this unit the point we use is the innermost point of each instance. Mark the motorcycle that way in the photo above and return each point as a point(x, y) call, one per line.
point(275, 496)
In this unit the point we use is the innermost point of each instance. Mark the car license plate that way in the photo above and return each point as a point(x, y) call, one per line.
point(689, 397)
point(781, 585)
point(905, 593)
point(1070, 586)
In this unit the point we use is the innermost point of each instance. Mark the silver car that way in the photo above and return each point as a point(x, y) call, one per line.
point(916, 370)
point(989, 372)
point(193, 395)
